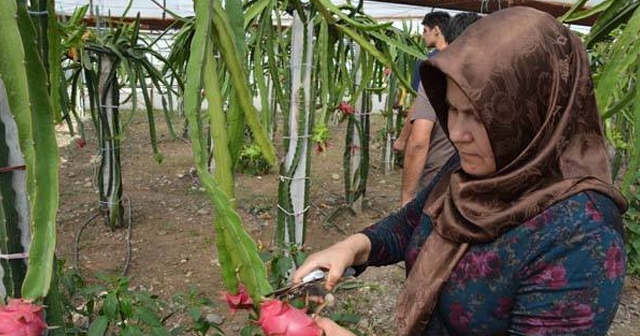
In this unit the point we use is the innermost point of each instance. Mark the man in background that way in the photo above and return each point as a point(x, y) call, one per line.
point(426, 147)
point(433, 25)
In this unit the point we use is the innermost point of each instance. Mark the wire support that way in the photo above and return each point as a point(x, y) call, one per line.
point(297, 136)
point(110, 203)
point(293, 214)
point(355, 114)
point(103, 149)
point(283, 178)
point(299, 66)
point(12, 168)
point(38, 13)
point(13, 256)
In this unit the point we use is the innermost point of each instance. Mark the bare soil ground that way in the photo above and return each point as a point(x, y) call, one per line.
point(172, 240)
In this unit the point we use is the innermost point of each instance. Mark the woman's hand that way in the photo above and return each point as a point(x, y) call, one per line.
point(351, 251)
point(331, 328)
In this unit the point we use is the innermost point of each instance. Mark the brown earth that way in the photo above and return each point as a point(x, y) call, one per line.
point(172, 236)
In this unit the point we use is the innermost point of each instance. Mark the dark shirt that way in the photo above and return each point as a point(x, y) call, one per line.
point(559, 273)
point(415, 77)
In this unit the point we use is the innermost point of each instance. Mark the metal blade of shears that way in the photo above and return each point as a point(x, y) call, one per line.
point(309, 279)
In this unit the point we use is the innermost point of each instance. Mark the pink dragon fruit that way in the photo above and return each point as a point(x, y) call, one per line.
point(278, 318)
point(21, 318)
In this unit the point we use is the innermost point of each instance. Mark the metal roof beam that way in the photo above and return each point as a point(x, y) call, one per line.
point(552, 7)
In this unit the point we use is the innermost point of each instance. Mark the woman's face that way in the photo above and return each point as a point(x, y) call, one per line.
point(468, 134)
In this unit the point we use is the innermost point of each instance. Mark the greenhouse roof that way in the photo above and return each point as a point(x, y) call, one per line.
point(383, 10)
point(553, 7)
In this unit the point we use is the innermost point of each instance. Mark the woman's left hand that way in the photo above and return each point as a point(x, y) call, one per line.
point(331, 328)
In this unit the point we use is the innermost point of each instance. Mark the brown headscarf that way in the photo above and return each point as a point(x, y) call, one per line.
point(528, 78)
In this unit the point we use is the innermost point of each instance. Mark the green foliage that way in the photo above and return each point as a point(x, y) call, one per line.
point(281, 261)
point(615, 13)
point(380, 41)
point(237, 252)
point(616, 65)
point(321, 136)
point(614, 49)
point(27, 100)
point(102, 62)
point(132, 52)
point(347, 313)
point(193, 303)
point(112, 308)
point(250, 330)
point(252, 161)
point(632, 228)
point(613, 45)
point(222, 30)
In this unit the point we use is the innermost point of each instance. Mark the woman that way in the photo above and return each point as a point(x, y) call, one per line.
point(523, 235)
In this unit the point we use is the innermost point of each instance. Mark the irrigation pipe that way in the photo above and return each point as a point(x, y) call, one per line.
point(127, 261)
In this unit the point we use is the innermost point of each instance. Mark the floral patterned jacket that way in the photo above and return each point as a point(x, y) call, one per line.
point(559, 273)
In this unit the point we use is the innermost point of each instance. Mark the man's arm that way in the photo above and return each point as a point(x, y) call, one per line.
point(401, 142)
point(415, 157)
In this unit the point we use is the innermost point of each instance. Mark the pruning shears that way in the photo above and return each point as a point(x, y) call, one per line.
point(306, 286)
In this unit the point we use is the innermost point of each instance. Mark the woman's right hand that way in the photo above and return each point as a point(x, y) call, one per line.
point(335, 259)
